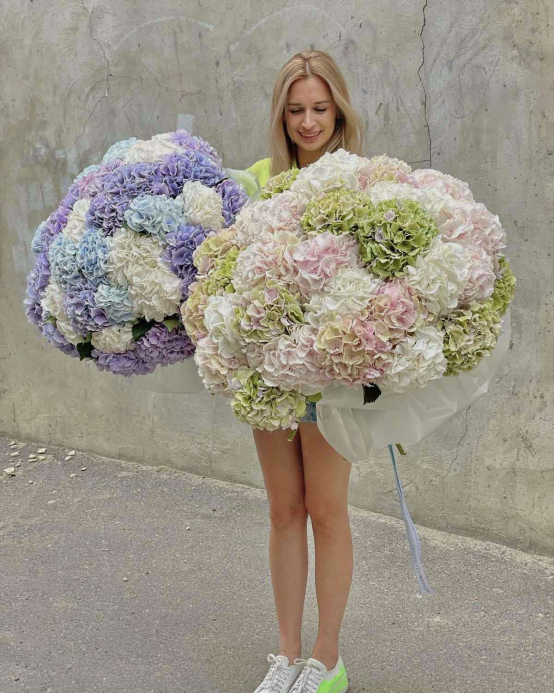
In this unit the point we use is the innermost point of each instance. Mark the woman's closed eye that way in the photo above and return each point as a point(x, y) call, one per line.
point(318, 110)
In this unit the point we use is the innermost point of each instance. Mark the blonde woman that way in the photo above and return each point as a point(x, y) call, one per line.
point(310, 114)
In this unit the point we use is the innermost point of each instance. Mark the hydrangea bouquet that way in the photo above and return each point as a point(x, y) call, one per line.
point(113, 264)
point(351, 271)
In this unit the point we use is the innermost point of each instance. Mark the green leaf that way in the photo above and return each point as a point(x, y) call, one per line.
point(141, 327)
point(371, 393)
point(85, 349)
point(314, 398)
point(171, 323)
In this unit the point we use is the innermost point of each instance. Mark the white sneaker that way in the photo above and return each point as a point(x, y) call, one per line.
point(316, 678)
point(281, 675)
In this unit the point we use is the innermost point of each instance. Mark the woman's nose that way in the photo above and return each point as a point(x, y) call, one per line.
point(307, 120)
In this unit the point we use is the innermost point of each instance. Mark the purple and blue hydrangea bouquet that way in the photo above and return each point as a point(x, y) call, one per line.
point(113, 264)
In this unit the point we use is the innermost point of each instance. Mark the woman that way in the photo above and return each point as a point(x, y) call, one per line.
point(310, 115)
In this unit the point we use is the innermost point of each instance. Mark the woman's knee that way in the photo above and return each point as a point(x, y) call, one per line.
point(289, 514)
point(326, 515)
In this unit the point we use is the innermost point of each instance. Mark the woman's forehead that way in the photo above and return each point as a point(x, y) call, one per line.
point(309, 90)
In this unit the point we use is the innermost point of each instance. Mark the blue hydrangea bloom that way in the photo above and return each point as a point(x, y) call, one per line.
point(92, 256)
point(88, 170)
point(118, 150)
point(63, 260)
point(157, 215)
point(36, 243)
point(116, 302)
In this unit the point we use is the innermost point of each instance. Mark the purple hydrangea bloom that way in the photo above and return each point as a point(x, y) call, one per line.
point(234, 198)
point(178, 256)
point(162, 347)
point(196, 143)
point(33, 309)
point(128, 363)
point(82, 311)
point(91, 184)
point(56, 338)
point(176, 169)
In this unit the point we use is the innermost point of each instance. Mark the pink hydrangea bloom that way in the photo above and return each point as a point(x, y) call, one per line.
point(482, 276)
point(350, 351)
point(471, 224)
point(394, 309)
point(319, 258)
point(430, 178)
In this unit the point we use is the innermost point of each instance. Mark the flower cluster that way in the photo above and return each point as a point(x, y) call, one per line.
point(114, 263)
point(350, 271)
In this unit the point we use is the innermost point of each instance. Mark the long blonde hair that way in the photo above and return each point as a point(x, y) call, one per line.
point(348, 128)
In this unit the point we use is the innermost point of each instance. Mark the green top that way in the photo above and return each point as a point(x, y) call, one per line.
point(262, 170)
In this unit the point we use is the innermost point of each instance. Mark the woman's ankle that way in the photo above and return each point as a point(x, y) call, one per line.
point(292, 653)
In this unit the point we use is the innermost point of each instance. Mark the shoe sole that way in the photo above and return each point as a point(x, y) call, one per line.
point(336, 688)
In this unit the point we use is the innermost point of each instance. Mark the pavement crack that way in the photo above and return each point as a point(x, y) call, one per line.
point(108, 74)
point(421, 80)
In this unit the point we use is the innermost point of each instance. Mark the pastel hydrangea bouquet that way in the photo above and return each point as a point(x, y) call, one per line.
point(351, 271)
point(113, 264)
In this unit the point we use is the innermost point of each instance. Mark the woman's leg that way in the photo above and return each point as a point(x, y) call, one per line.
point(281, 463)
point(326, 477)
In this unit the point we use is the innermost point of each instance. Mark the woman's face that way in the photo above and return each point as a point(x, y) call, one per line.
point(310, 117)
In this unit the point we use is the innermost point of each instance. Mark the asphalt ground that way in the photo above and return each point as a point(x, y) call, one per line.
point(120, 578)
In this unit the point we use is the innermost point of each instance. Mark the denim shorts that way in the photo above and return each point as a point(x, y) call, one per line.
point(310, 415)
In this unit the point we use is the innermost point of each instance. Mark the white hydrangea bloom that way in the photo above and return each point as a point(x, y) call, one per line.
point(75, 227)
point(259, 223)
point(284, 362)
point(113, 339)
point(150, 150)
point(52, 302)
point(262, 261)
point(347, 293)
point(440, 276)
point(202, 205)
point(330, 172)
point(215, 369)
point(218, 318)
point(415, 361)
point(135, 260)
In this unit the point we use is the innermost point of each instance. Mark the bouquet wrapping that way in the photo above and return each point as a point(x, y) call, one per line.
point(113, 264)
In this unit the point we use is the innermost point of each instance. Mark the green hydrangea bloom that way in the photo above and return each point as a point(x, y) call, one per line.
point(214, 247)
point(338, 211)
point(219, 279)
point(262, 406)
point(392, 234)
point(279, 183)
point(271, 312)
point(192, 311)
point(470, 334)
point(504, 287)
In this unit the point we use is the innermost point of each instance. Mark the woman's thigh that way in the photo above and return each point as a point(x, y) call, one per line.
point(326, 474)
point(281, 463)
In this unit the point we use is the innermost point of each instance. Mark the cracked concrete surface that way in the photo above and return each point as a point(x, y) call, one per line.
point(120, 578)
point(430, 159)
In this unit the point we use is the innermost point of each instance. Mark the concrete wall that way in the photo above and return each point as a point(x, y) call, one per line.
point(464, 86)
